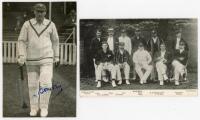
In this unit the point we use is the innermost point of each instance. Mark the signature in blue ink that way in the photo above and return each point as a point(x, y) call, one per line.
point(55, 87)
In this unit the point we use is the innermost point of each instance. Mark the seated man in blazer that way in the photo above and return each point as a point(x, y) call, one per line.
point(180, 61)
point(122, 62)
point(105, 61)
point(162, 60)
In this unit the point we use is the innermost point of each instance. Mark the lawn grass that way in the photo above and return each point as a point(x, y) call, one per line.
point(90, 84)
point(61, 105)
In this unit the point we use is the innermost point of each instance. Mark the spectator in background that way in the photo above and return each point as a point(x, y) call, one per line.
point(19, 22)
point(70, 19)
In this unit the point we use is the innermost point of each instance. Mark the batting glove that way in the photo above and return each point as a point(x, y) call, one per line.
point(21, 60)
point(57, 62)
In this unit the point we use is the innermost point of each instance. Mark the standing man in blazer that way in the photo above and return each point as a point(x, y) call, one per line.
point(176, 42)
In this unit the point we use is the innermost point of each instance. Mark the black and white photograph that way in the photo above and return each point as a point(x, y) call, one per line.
point(138, 54)
point(39, 59)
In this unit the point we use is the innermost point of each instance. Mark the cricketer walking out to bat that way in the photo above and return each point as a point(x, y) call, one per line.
point(38, 44)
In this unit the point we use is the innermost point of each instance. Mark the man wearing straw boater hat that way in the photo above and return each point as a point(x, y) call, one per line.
point(111, 40)
point(38, 45)
point(126, 40)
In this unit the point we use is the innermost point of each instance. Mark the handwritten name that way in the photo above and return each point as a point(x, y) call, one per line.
point(55, 87)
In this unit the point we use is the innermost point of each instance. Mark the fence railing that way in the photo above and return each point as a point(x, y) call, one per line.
point(67, 52)
point(71, 35)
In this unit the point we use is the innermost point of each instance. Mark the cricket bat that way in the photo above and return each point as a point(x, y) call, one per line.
point(21, 87)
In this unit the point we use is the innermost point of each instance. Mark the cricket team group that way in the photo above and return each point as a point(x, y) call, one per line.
point(149, 60)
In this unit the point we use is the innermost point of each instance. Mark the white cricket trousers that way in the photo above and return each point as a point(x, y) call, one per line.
point(39, 78)
point(95, 67)
point(126, 69)
point(147, 68)
point(179, 69)
point(161, 69)
point(110, 67)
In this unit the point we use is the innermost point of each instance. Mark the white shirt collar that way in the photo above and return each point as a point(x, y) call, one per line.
point(121, 51)
point(45, 21)
point(154, 39)
point(178, 39)
point(181, 50)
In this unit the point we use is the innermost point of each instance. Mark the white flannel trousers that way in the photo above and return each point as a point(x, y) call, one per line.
point(178, 69)
point(146, 67)
point(39, 76)
point(126, 69)
point(101, 67)
point(161, 69)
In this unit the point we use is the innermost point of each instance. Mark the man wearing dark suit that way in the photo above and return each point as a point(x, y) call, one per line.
point(180, 62)
point(136, 40)
point(153, 45)
point(162, 60)
point(176, 42)
point(95, 46)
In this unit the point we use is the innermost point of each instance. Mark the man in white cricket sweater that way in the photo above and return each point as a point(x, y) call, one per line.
point(126, 40)
point(38, 47)
point(142, 60)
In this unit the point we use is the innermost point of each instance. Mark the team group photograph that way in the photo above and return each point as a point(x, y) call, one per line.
point(138, 54)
